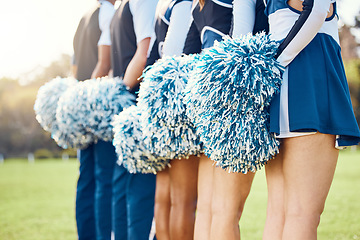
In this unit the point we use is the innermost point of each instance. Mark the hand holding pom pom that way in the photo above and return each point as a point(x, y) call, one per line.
point(107, 98)
point(228, 100)
point(169, 132)
point(47, 100)
point(72, 115)
point(129, 144)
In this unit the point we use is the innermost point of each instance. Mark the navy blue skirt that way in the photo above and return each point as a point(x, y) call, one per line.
point(318, 94)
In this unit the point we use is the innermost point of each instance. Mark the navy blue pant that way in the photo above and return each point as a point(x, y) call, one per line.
point(94, 191)
point(133, 204)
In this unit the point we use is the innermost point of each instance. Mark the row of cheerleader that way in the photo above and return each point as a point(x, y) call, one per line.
point(230, 88)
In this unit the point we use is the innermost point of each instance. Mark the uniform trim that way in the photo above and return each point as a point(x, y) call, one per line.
point(210, 29)
point(307, 8)
point(218, 2)
point(165, 20)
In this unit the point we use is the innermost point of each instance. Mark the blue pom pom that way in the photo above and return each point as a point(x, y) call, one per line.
point(85, 111)
point(107, 97)
point(72, 116)
point(168, 131)
point(47, 100)
point(228, 100)
point(129, 144)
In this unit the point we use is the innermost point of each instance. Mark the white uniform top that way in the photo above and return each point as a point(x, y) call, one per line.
point(179, 25)
point(282, 21)
point(106, 13)
point(243, 17)
point(143, 18)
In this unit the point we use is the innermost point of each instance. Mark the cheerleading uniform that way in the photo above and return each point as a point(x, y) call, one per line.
point(208, 25)
point(171, 26)
point(215, 21)
point(93, 193)
point(314, 96)
point(133, 194)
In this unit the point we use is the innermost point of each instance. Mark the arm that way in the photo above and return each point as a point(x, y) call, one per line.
point(137, 64)
point(104, 58)
point(179, 26)
point(103, 65)
point(311, 19)
point(244, 17)
point(143, 12)
point(73, 66)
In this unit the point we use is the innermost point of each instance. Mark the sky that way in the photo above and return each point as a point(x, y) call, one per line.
point(34, 33)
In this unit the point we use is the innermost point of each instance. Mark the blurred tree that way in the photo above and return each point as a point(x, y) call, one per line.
point(20, 133)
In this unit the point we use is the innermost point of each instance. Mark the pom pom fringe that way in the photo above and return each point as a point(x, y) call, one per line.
point(72, 115)
point(129, 144)
point(107, 97)
point(85, 111)
point(47, 100)
point(228, 99)
point(168, 132)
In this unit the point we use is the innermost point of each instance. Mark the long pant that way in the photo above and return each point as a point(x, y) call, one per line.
point(94, 191)
point(133, 204)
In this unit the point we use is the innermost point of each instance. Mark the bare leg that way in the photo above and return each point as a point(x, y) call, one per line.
point(183, 189)
point(229, 194)
point(162, 205)
point(275, 216)
point(203, 210)
point(309, 166)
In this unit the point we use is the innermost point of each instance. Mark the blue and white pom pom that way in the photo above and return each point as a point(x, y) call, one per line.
point(129, 144)
point(169, 132)
point(107, 97)
point(47, 100)
point(228, 100)
point(72, 116)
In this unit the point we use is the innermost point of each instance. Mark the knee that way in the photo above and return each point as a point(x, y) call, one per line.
point(183, 204)
point(226, 214)
point(305, 215)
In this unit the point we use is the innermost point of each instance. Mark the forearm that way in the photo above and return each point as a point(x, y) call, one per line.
point(102, 69)
point(137, 64)
point(311, 19)
point(103, 65)
point(243, 17)
point(180, 21)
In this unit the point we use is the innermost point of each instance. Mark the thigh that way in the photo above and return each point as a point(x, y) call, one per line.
point(275, 182)
point(105, 160)
point(119, 209)
point(183, 179)
point(140, 197)
point(230, 191)
point(163, 187)
point(87, 161)
point(205, 179)
point(309, 165)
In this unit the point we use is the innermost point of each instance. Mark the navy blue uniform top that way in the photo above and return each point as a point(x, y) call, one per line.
point(214, 21)
point(161, 28)
point(123, 39)
point(85, 44)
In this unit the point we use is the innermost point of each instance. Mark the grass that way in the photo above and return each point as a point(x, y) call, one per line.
point(341, 217)
point(37, 201)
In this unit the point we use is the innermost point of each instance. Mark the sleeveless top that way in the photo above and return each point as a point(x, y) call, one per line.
point(162, 23)
point(123, 39)
point(314, 96)
point(215, 21)
point(85, 44)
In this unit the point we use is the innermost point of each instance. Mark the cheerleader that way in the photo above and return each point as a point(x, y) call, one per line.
point(133, 194)
point(173, 215)
point(219, 206)
point(312, 116)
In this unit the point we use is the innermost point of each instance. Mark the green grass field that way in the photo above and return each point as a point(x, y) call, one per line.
point(37, 201)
